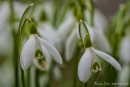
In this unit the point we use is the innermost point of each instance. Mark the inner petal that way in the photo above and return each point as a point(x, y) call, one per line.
point(38, 52)
point(96, 66)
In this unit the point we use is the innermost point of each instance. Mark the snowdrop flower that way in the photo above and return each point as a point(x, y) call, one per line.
point(98, 39)
point(89, 62)
point(124, 52)
point(33, 49)
point(124, 76)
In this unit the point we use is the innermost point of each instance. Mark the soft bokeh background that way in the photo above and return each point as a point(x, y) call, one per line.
point(61, 75)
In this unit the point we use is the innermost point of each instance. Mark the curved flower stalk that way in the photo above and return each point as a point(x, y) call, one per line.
point(124, 52)
point(98, 39)
point(89, 62)
point(33, 49)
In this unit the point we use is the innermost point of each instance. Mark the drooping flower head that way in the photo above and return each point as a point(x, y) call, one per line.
point(33, 49)
point(89, 62)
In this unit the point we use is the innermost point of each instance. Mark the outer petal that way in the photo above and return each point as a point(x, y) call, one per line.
point(109, 59)
point(66, 27)
point(28, 52)
point(71, 44)
point(47, 57)
point(52, 50)
point(84, 67)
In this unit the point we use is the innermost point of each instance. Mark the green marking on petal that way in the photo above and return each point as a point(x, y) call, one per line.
point(39, 54)
point(96, 67)
point(42, 62)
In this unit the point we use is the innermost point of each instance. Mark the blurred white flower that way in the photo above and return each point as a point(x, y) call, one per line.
point(4, 16)
point(57, 36)
point(32, 49)
point(124, 52)
point(89, 62)
point(19, 8)
point(124, 76)
point(98, 39)
point(6, 40)
point(100, 21)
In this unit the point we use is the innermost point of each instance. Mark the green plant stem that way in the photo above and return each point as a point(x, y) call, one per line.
point(84, 84)
point(76, 67)
point(56, 11)
point(22, 77)
point(28, 78)
point(16, 61)
point(15, 45)
point(92, 13)
point(37, 78)
point(48, 84)
point(63, 12)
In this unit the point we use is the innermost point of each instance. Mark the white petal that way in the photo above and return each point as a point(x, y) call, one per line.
point(123, 77)
point(52, 50)
point(125, 50)
point(71, 45)
point(47, 57)
point(95, 59)
point(28, 52)
point(99, 40)
point(47, 32)
point(84, 67)
point(66, 27)
point(109, 59)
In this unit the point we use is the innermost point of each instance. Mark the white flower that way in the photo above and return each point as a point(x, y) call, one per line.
point(32, 49)
point(124, 76)
point(89, 63)
point(125, 50)
point(98, 39)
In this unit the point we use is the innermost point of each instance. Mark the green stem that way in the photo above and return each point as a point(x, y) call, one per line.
point(28, 78)
point(19, 38)
point(84, 84)
point(56, 11)
point(22, 77)
point(15, 58)
point(92, 13)
point(76, 67)
point(15, 50)
point(37, 78)
point(48, 84)
point(63, 12)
